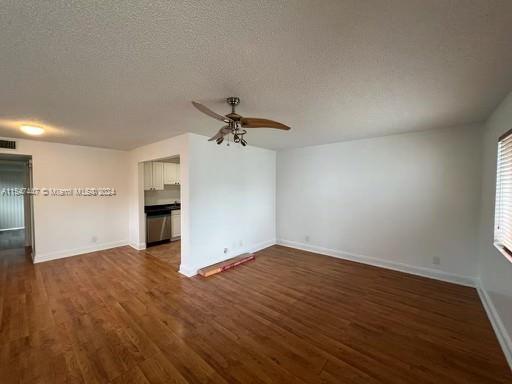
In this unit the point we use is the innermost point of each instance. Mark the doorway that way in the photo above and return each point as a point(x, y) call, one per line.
point(162, 209)
point(15, 205)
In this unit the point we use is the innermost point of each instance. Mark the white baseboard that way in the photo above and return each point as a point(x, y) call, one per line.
point(192, 271)
point(260, 246)
point(39, 258)
point(137, 246)
point(415, 270)
point(499, 329)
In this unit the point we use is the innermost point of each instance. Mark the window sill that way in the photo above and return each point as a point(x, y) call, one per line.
point(503, 251)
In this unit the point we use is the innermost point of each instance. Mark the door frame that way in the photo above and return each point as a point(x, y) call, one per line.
point(28, 200)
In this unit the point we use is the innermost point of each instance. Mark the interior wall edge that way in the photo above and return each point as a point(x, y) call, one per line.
point(497, 324)
point(137, 246)
point(187, 271)
point(468, 281)
point(262, 245)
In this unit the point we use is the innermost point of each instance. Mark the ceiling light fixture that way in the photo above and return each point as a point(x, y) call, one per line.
point(31, 130)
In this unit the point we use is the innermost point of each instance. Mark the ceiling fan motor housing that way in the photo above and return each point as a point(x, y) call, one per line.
point(233, 100)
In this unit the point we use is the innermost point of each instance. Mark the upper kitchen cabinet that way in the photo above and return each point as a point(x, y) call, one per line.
point(178, 178)
point(171, 173)
point(148, 176)
point(153, 176)
point(158, 176)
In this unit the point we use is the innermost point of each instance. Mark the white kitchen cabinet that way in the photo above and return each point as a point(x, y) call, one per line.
point(178, 178)
point(170, 173)
point(158, 176)
point(153, 176)
point(175, 224)
point(148, 176)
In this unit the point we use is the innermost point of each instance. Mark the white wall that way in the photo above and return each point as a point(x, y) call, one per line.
point(395, 201)
point(232, 201)
point(494, 269)
point(70, 225)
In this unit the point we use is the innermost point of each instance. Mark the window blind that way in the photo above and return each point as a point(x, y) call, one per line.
point(503, 210)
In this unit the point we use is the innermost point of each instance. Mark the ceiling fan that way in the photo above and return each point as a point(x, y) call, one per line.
point(236, 123)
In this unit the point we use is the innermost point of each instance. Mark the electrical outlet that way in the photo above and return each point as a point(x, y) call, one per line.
point(225, 250)
point(306, 238)
point(436, 260)
point(241, 243)
point(94, 239)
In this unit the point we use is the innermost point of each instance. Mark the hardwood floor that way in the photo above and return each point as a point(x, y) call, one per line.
point(168, 252)
point(126, 316)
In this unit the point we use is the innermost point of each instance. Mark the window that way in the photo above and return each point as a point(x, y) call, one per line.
point(503, 210)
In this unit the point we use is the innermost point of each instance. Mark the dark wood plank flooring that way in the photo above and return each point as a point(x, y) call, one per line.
point(126, 316)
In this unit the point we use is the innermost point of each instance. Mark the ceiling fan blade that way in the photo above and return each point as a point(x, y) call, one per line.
point(255, 122)
point(222, 132)
point(210, 113)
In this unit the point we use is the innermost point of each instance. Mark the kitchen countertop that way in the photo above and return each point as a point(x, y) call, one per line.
point(161, 208)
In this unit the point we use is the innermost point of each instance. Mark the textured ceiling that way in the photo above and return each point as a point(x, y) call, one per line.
point(121, 74)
